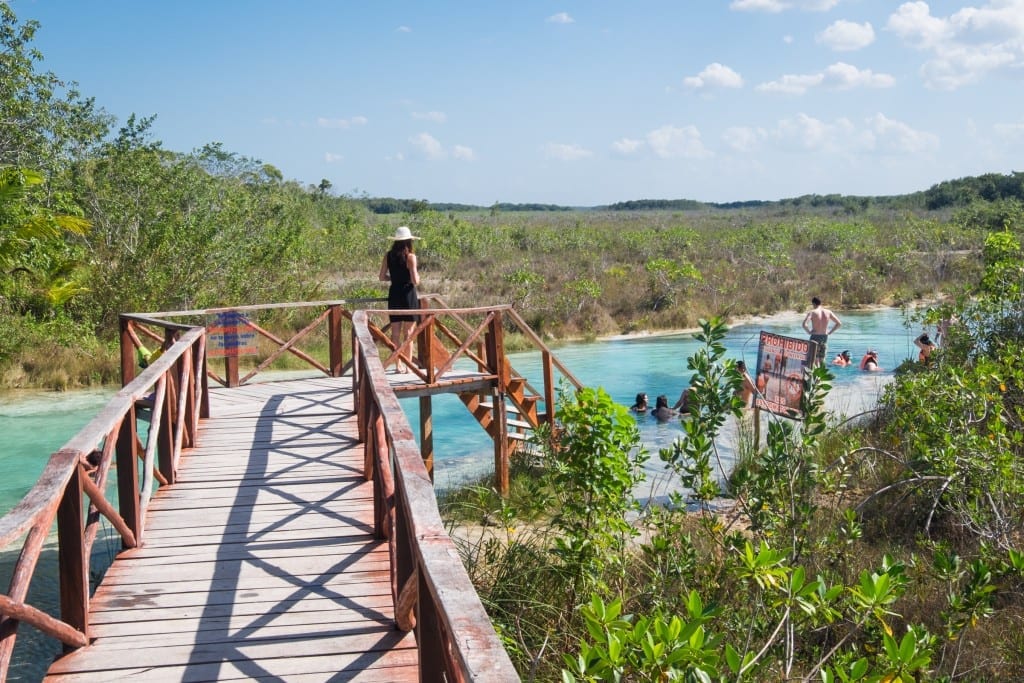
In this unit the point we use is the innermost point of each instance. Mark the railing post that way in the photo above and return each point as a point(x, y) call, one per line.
point(427, 434)
point(127, 352)
point(74, 568)
point(549, 388)
point(425, 347)
point(165, 434)
point(497, 366)
point(335, 340)
point(430, 638)
point(128, 473)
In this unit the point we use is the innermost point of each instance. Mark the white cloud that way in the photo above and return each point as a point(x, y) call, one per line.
point(787, 39)
point(325, 122)
point(846, 36)
point(967, 45)
point(842, 76)
point(672, 142)
point(898, 137)
point(838, 76)
point(743, 138)
point(776, 6)
point(843, 137)
point(815, 135)
point(773, 6)
point(463, 153)
point(403, 29)
point(792, 84)
point(560, 18)
point(564, 152)
point(332, 158)
point(435, 116)
point(428, 146)
point(627, 147)
point(714, 75)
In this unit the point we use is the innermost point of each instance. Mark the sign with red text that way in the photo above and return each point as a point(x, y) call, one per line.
point(782, 364)
point(230, 334)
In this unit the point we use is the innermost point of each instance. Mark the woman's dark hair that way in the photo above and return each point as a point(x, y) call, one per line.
point(641, 398)
point(662, 401)
point(401, 246)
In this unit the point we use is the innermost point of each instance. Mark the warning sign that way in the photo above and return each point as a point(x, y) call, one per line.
point(230, 334)
point(781, 366)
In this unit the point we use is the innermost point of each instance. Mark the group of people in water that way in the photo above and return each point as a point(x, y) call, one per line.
point(820, 323)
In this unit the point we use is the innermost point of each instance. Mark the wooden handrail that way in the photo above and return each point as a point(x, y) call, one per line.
point(69, 477)
point(456, 639)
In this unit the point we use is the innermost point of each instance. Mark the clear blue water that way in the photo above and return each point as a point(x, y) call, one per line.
point(35, 424)
point(656, 364)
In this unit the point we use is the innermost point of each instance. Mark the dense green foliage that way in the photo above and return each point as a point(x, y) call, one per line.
point(889, 552)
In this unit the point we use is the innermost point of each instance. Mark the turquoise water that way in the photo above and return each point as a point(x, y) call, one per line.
point(656, 364)
point(34, 424)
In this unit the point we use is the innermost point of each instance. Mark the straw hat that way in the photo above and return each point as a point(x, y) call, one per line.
point(403, 233)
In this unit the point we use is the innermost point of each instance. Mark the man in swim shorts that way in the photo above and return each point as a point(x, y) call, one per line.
point(816, 324)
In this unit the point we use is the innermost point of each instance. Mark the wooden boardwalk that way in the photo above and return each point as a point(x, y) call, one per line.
point(260, 562)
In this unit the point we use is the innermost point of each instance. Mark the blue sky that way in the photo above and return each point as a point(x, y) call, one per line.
point(573, 103)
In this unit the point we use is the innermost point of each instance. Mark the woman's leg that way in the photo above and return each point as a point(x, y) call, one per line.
point(397, 337)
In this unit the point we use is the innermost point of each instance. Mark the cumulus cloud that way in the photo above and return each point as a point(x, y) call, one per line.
point(332, 158)
point(673, 142)
point(560, 18)
point(776, 6)
point(403, 29)
point(898, 137)
point(842, 76)
point(967, 45)
point(564, 152)
point(463, 153)
point(714, 75)
point(846, 36)
point(743, 138)
point(627, 147)
point(838, 76)
point(428, 146)
point(772, 6)
point(819, 136)
point(435, 116)
point(877, 133)
point(792, 84)
point(325, 122)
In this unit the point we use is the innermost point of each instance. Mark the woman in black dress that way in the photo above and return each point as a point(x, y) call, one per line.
point(399, 267)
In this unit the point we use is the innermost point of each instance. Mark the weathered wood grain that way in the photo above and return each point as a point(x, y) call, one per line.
point(260, 562)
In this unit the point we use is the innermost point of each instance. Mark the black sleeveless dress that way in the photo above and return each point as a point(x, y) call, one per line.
point(402, 292)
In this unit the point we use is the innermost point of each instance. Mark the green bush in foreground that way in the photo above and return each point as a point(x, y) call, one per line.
point(875, 555)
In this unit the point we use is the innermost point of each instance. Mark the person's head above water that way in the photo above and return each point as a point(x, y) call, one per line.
point(661, 402)
point(641, 398)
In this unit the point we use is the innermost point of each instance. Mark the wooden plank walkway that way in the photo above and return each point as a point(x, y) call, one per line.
point(260, 563)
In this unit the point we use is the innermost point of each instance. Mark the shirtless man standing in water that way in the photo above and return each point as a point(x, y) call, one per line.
point(816, 324)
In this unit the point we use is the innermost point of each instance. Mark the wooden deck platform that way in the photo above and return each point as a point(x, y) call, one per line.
point(260, 563)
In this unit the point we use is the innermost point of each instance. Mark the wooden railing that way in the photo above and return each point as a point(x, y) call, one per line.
point(431, 590)
point(174, 390)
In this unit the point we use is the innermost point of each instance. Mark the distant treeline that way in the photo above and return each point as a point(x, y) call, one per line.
point(947, 194)
point(386, 205)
